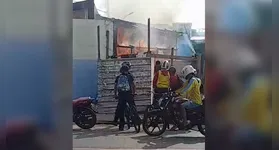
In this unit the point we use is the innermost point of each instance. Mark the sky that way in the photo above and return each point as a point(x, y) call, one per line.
point(159, 11)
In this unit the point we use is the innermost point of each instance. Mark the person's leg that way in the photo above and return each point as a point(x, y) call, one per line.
point(122, 106)
point(159, 92)
point(156, 94)
point(131, 100)
point(189, 105)
point(116, 114)
point(183, 115)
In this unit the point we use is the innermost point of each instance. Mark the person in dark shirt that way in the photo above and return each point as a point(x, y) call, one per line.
point(129, 65)
point(157, 66)
point(126, 63)
point(124, 91)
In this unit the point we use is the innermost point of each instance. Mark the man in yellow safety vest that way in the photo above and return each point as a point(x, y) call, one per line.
point(161, 80)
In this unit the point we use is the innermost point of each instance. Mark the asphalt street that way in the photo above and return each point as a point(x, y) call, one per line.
point(108, 137)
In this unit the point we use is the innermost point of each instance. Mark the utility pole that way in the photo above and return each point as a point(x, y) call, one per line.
point(148, 37)
point(98, 41)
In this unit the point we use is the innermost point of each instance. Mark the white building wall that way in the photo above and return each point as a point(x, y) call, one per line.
point(85, 44)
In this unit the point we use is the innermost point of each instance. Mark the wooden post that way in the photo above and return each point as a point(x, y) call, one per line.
point(148, 36)
point(131, 50)
point(172, 53)
point(98, 40)
point(107, 44)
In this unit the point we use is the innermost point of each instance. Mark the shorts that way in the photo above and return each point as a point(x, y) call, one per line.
point(190, 105)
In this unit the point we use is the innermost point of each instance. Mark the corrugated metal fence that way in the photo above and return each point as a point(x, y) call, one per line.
point(142, 69)
point(109, 69)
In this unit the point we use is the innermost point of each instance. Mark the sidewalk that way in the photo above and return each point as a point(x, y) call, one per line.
point(108, 137)
point(127, 149)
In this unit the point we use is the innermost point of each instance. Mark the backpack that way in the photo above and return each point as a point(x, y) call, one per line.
point(123, 84)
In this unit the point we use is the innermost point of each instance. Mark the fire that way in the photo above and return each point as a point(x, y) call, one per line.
point(126, 38)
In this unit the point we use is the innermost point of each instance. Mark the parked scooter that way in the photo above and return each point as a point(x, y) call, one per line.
point(84, 112)
point(20, 135)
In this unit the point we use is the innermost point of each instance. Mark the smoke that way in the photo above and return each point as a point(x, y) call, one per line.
point(160, 11)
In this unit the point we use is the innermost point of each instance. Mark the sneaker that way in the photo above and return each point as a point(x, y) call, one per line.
point(185, 126)
point(174, 128)
point(121, 128)
point(115, 123)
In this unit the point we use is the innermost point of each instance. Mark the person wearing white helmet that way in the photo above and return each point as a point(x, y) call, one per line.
point(190, 94)
point(161, 80)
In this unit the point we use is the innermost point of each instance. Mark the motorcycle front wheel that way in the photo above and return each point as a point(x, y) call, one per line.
point(86, 119)
point(154, 122)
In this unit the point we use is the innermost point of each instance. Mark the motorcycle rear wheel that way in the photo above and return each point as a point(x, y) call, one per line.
point(88, 124)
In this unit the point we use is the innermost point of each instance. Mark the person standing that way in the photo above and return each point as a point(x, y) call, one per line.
point(116, 118)
point(161, 80)
point(124, 91)
point(157, 66)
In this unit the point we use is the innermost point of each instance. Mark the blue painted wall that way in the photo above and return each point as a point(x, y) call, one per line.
point(26, 81)
point(84, 78)
point(85, 45)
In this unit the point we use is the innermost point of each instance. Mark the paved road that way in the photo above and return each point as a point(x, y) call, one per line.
point(108, 137)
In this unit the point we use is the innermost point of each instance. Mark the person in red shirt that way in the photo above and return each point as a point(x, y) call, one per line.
point(175, 81)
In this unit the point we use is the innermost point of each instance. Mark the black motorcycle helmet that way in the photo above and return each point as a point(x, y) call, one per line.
point(124, 69)
point(126, 63)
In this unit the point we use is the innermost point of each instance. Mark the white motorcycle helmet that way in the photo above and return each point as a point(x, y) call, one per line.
point(187, 70)
point(165, 65)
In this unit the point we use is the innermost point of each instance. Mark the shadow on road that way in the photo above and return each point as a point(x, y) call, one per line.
point(93, 133)
point(165, 142)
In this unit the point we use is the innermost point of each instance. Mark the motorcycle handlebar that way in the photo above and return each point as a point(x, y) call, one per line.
point(167, 93)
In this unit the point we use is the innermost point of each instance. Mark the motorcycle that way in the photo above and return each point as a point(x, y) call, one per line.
point(84, 112)
point(20, 135)
point(165, 113)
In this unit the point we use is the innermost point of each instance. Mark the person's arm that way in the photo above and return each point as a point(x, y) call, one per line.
point(133, 88)
point(132, 84)
point(180, 82)
point(155, 79)
point(188, 87)
point(115, 87)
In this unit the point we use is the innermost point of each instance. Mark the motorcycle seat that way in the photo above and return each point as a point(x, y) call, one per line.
point(80, 100)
